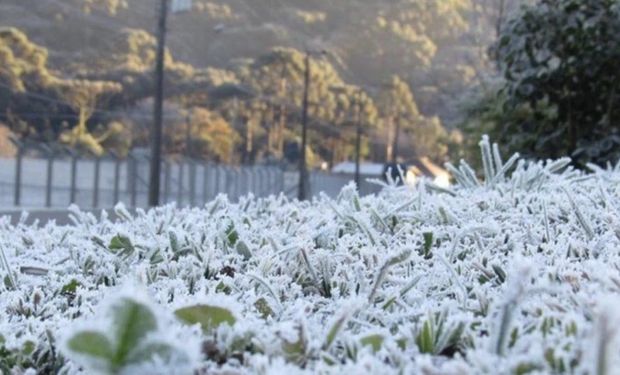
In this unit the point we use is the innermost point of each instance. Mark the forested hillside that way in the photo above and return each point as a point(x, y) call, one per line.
point(86, 64)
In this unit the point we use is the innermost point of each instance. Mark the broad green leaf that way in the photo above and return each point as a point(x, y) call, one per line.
point(92, 344)
point(374, 341)
point(209, 317)
point(149, 351)
point(28, 347)
point(122, 244)
point(244, 250)
point(132, 321)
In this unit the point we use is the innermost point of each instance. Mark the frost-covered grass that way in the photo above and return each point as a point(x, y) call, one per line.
point(518, 273)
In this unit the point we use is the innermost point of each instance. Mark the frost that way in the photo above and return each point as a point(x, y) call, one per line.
point(512, 270)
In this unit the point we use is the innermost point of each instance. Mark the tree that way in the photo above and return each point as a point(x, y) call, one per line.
point(202, 134)
point(404, 124)
point(83, 97)
point(109, 6)
point(559, 59)
point(277, 80)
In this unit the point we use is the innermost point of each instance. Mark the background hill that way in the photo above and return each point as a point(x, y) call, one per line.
point(438, 49)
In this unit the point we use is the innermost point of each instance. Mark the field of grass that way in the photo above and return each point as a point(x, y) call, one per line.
point(517, 272)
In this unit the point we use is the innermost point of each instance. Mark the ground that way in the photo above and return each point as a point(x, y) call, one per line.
point(513, 273)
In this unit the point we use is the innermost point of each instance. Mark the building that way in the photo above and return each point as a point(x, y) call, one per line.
point(418, 167)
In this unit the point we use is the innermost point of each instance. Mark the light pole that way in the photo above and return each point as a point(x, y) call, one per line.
point(303, 165)
point(303, 169)
point(358, 137)
point(156, 132)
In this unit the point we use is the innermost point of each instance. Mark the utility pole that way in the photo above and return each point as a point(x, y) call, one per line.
point(358, 138)
point(156, 132)
point(303, 171)
point(282, 120)
point(396, 139)
point(188, 136)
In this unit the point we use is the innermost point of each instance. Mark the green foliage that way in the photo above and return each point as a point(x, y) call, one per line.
point(121, 245)
point(209, 317)
point(559, 60)
point(428, 244)
point(374, 341)
point(126, 343)
point(437, 336)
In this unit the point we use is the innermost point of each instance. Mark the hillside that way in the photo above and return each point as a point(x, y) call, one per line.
point(432, 53)
point(428, 54)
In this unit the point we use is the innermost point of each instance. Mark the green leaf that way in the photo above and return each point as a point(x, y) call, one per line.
point(244, 250)
point(149, 351)
point(132, 321)
point(295, 351)
point(121, 244)
point(232, 235)
point(501, 275)
point(428, 243)
point(426, 338)
point(263, 308)
point(92, 344)
point(374, 341)
point(209, 317)
point(28, 347)
point(525, 368)
point(8, 283)
point(334, 330)
point(174, 242)
point(70, 287)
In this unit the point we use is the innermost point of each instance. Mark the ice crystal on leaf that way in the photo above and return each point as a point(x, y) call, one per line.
point(512, 270)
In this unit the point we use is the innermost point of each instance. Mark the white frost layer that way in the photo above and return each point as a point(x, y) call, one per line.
point(526, 266)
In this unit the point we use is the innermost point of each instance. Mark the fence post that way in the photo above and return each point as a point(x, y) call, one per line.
point(205, 181)
point(245, 180)
point(50, 171)
point(219, 175)
point(117, 177)
point(237, 183)
point(261, 181)
point(18, 170)
point(228, 182)
point(272, 181)
point(180, 184)
point(191, 169)
point(132, 170)
point(72, 191)
point(96, 182)
point(166, 180)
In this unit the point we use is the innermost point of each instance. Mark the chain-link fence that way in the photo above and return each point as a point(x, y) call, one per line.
point(42, 176)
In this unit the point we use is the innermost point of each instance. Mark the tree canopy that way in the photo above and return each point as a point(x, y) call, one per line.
point(559, 59)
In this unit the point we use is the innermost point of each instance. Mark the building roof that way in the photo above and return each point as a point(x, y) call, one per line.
point(420, 166)
point(348, 167)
